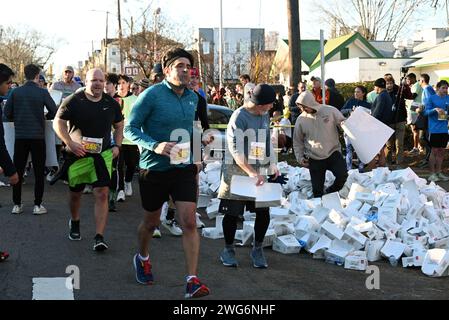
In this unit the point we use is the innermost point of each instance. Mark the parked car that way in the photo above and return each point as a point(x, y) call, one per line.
point(218, 117)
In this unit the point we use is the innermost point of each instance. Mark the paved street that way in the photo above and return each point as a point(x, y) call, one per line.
point(39, 247)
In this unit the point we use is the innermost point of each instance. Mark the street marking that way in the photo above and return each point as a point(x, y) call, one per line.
point(53, 289)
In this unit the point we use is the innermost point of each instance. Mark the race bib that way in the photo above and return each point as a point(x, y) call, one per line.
point(180, 154)
point(92, 145)
point(257, 151)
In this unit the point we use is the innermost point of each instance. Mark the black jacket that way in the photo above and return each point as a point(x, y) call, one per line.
point(382, 108)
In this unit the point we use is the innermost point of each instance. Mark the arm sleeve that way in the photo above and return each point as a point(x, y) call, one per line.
point(234, 124)
point(430, 107)
point(50, 104)
point(5, 159)
point(9, 108)
point(202, 113)
point(133, 129)
point(298, 142)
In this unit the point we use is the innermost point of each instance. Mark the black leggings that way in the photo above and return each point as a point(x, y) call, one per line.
point(22, 148)
point(260, 227)
point(129, 156)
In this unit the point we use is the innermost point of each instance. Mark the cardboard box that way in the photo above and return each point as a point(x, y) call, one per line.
point(355, 188)
point(389, 227)
point(270, 236)
point(373, 248)
point(309, 240)
point(338, 218)
point(212, 208)
point(356, 238)
point(332, 201)
point(356, 260)
point(365, 197)
point(203, 200)
point(332, 230)
point(286, 244)
point(322, 244)
point(279, 214)
point(365, 209)
point(363, 227)
point(436, 263)
point(389, 213)
point(307, 224)
point(416, 260)
point(320, 214)
point(338, 251)
point(282, 228)
point(219, 223)
point(212, 233)
point(393, 248)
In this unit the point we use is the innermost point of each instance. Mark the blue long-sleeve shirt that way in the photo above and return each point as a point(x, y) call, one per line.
point(354, 103)
point(435, 101)
point(157, 113)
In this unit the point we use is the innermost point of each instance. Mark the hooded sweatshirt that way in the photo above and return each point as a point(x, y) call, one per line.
point(316, 135)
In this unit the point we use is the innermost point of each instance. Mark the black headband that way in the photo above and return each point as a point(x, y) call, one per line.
point(174, 55)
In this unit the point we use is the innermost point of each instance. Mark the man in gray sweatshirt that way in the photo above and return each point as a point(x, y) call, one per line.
point(317, 145)
point(25, 108)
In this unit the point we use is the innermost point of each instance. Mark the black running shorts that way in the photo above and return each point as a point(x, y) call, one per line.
point(439, 140)
point(157, 186)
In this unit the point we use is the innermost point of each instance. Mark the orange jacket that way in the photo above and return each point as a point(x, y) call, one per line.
point(318, 94)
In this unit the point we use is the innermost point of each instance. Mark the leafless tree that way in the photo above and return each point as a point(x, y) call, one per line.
point(21, 47)
point(374, 19)
point(149, 37)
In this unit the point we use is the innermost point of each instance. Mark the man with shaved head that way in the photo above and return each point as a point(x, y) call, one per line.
point(84, 123)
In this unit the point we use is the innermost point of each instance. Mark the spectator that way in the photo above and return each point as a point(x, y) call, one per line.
point(335, 98)
point(317, 91)
point(382, 110)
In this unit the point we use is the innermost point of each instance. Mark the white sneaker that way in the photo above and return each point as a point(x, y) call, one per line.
point(17, 209)
point(121, 196)
point(173, 227)
point(199, 224)
point(434, 177)
point(128, 189)
point(443, 177)
point(50, 176)
point(38, 210)
point(87, 189)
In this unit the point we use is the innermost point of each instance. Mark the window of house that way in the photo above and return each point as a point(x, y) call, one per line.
point(237, 47)
point(344, 54)
point(206, 47)
point(226, 47)
point(114, 53)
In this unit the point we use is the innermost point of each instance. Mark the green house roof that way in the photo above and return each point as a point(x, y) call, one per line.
point(334, 46)
point(309, 50)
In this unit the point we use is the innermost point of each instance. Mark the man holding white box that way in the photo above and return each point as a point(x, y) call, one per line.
point(249, 153)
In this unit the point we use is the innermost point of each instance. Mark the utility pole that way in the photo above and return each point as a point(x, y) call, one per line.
point(106, 43)
point(221, 45)
point(120, 35)
point(294, 42)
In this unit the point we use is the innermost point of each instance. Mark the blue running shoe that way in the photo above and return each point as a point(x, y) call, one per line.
point(227, 257)
point(143, 271)
point(195, 289)
point(258, 258)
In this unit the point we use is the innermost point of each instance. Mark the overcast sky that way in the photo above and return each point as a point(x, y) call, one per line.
point(77, 26)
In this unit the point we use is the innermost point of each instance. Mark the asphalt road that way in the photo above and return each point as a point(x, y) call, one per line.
point(39, 247)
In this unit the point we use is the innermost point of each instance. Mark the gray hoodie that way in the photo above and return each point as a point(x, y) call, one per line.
point(316, 135)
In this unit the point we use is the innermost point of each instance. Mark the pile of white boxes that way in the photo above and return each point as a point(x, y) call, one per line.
point(378, 215)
